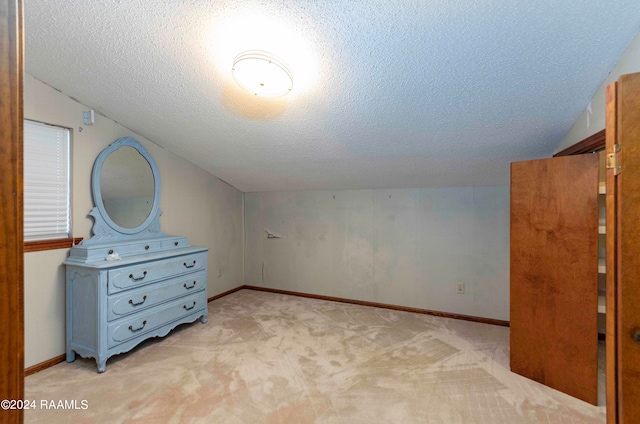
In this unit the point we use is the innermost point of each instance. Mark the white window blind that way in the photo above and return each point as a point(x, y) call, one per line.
point(46, 181)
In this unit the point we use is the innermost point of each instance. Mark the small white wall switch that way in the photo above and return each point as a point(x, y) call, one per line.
point(460, 288)
point(88, 117)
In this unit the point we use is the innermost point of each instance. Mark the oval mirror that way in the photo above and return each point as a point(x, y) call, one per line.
point(126, 192)
point(127, 187)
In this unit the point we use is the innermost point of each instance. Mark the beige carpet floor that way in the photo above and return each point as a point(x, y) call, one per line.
point(269, 358)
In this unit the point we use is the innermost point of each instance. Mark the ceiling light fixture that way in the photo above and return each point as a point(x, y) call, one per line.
point(262, 73)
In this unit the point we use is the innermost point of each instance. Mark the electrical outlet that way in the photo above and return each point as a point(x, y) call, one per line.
point(460, 288)
point(219, 272)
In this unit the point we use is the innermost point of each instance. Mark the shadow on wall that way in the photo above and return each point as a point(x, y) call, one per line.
point(246, 105)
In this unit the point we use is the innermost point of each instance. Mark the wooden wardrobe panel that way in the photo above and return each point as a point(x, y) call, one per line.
point(11, 261)
point(628, 236)
point(611, 262)
point(554, 273)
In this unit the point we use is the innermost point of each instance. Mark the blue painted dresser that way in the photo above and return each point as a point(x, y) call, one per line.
point(114, 305)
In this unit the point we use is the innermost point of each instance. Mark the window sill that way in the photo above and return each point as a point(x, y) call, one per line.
point(40, 245)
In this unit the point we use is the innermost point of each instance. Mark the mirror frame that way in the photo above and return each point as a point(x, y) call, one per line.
point(104, 228)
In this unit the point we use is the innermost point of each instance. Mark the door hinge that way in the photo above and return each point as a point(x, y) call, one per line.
point(613, 160)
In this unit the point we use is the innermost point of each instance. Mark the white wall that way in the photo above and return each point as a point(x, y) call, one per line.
point(590, 123)
point(405, 247)
point(194, 203)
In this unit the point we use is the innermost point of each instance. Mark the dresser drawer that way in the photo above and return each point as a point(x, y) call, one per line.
point(145, 297)
point(174, 243)
point(144, 322)
point(129, 277)
point(147, 247)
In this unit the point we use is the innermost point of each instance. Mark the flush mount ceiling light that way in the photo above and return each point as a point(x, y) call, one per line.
point(262, 73)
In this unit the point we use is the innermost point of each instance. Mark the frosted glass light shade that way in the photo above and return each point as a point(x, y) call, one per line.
point(262, 74)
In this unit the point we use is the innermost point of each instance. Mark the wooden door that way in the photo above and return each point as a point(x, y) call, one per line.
point(623, 251)
point(554, 273)
point(11, 262)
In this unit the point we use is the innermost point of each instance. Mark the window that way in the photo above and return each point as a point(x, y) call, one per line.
point(46, 182)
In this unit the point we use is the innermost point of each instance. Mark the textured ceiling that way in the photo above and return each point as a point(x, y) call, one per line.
point(386, 93)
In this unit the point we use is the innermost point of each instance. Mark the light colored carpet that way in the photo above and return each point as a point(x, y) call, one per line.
point(269, 358)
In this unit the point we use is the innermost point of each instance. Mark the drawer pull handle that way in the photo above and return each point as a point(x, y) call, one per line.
point(190, 307)
point(146, 247)
point(175, 243)
point(191, 286)
point(144, 298)
point(189, 266)
point(133, 330)
point(144, 274)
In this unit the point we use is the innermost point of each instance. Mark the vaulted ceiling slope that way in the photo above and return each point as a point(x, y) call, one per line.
point(386, 93)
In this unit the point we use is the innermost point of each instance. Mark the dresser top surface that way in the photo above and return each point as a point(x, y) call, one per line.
point(102, 263)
